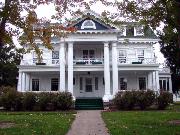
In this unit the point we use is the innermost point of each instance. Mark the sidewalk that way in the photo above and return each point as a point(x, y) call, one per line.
point(88, 122)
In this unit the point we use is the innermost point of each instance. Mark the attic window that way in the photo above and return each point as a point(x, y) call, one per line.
point(123, 31)
point(88, 24)
point(139, 31)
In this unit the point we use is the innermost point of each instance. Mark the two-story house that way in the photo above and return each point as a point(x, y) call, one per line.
point(97, 60)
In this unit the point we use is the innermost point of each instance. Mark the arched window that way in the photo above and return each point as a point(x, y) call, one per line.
point(88, 24)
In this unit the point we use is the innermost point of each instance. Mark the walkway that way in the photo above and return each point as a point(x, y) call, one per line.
point(88, 123)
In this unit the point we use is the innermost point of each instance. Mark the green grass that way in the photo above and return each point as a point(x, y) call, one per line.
point(143, 122)
point(37, 123)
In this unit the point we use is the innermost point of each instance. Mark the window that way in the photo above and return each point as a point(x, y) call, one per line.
point(81, 83)
point(35, 84)
point(164, 84)
point(138, 31)
point(55, 54)
point(123, 84)
point(55, 57)
point(34, 57)
point(122, 56)
point(142, 83)
point(88, 24)
point(54, 84)
point(140, 54)
point(96, 83)
point(74, 81)
point(123, 31)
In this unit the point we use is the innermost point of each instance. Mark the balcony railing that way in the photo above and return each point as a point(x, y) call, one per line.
point(90, 61)
point(44, 62)
point(137, 60)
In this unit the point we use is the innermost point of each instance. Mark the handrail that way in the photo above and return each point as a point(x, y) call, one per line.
point(125, 60)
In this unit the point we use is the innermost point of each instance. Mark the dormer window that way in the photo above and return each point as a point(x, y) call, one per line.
point(139, 31)
point(123, 31)
point(88, 24)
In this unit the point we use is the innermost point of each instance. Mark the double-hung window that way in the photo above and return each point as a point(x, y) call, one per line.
point(142, 83)
point(54, 84)
point(123, 84)
point(55, 57)
point(140, 54)
point(35, 84)
point(122, 56)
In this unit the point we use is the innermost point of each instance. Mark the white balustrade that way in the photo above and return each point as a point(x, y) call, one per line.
point(137, 60)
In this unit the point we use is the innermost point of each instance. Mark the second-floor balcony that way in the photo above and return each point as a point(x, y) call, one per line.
point(90, 61)
point(124, 60)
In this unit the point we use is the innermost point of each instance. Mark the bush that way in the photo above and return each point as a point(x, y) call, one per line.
point(11, 99)
point(164, 99)
point(44, 99)
point(125, 100)
point(145, 99)
point(29, 100)
point(63, 101)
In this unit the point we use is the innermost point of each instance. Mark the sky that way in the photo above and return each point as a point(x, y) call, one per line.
point(49, 10)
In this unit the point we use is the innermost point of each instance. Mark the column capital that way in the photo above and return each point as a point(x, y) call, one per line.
point(114, 44)
point(106, 44)
point(70, 44)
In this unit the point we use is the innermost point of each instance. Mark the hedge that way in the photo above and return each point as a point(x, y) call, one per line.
point(10, 99)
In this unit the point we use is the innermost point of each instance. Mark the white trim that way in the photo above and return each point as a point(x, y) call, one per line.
point(84, 26)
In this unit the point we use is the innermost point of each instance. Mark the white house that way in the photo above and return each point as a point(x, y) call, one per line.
point(97, 60)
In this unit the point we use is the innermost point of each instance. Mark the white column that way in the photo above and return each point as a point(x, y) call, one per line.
point(150, 81)
point(19, 87)
point(23, 82)
point(170, 84)
point(70, 67)
point(114, 68)
point(106, 72)
point(27, 82)
point(62, 67)
point(157, 80)
point(154, 81)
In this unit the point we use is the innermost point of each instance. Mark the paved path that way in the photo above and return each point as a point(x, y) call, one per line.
point(88, 123)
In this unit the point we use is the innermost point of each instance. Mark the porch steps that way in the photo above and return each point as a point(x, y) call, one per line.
point(89, 104)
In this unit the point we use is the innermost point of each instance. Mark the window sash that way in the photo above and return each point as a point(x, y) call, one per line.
point(35, 84)
point(142, 83)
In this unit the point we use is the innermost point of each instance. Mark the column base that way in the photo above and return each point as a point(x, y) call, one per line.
point(108, 97)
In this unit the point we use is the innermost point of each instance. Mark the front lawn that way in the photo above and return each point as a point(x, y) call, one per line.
point(143, 122)
point(35, 123)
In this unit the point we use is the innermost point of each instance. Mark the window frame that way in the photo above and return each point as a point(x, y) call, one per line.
point(136, 31)
point(57, 83)
point(145, 82)
point(84, 26)
point(35, 80)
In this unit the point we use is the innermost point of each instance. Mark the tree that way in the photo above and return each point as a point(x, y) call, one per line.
point(156, 13)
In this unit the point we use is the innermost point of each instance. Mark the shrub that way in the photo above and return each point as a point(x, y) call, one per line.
point(29, 100)
point(63, 101)
point(11, 99)
point(125, 100)
point(145, 99)
point(44, 99)
point(164, 99)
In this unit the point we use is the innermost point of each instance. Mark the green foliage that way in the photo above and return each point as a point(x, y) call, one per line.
point(164, 99)
point(145, 99)
point(64, 101)
point(29, 101)
point(129, 99)
point(125, 100)
point(11, 99)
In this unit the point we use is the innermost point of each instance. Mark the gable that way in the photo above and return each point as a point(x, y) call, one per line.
point(91, 24)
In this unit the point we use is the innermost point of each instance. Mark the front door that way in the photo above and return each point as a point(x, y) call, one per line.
point(88, 85)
